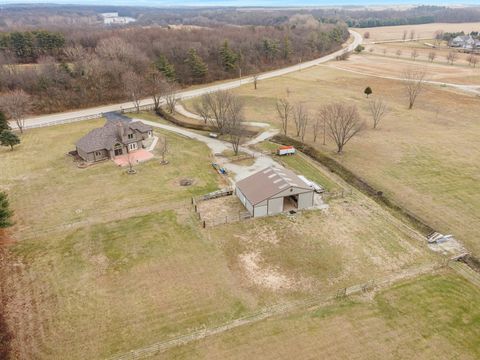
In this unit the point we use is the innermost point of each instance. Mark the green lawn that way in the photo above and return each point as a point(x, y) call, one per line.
point(120, 285)
point(431, 317)
point(48, 191)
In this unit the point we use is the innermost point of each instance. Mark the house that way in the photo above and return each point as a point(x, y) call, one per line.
point(115, 138)
point(465, 42)
point(272, 191)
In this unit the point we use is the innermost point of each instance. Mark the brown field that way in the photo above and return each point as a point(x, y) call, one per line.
point(426, 159)
point(427, 31)
point(134, 266)
point(393, 67)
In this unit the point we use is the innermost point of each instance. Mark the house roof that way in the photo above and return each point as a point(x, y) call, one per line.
point(108, 135)
point(269, 182)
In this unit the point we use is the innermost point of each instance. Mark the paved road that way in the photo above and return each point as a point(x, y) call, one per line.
point(51, 119)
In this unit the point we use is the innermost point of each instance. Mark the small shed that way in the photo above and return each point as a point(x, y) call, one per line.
point(272, 191)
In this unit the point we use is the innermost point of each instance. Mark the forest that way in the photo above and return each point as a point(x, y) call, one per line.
point(67, 69)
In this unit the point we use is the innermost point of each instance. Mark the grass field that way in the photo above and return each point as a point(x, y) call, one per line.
point(426, 159)
point(49, 192)
point(133, 267)
point(431, 317)
point(421, 31)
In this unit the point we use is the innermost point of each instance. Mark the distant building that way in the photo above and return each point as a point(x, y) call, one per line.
point(464, 42)
point(272, 191)
point(112, 18)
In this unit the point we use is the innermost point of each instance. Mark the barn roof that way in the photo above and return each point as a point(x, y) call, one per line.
point(269, 182)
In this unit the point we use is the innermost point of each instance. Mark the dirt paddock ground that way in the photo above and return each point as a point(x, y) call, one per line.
point(221, 210)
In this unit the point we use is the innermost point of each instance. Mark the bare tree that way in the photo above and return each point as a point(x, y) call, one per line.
point(163, 148)
point(343, 122)
point(171, 97)
point(473, 60)
point(222, 109)
point(16, 104)
point(202, 110)
point(432, 55)
point(235, 129)
point(414, 80)
point(284, 111)
point(130, 161)
point(414, 54)
point(412, 34)
point(317, 125)
point(156, 85)
point(255, 81)
point(133, 86)
point(378, 109)
point(452, 56)
point(404, 37)
point(300, 117)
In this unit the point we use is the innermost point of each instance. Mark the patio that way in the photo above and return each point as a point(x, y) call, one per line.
point(134, 157)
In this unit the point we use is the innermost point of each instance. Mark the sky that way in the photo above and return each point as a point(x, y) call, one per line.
point(276, 3)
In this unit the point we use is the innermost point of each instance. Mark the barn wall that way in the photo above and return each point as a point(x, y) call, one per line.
point(260, 211)
point(305, 200)
point(244, 200)
point(275, 206)
point(294, 191)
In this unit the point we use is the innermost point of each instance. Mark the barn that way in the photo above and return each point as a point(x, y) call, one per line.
point(272, 191)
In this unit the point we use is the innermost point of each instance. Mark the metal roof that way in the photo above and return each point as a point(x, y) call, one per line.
point(268, 182)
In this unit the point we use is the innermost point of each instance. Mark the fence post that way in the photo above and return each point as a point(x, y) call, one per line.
point(204, 224)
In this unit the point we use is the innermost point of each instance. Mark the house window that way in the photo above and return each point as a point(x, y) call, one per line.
point(98, 153)
point(130, 136)
point(132, 146)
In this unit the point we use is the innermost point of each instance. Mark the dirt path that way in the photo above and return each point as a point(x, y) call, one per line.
point(276, 310)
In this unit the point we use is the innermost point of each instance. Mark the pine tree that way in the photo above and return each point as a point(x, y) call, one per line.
point(287, 48)
point(8, 138)
point(5, 212)
point(166, 68)
point(198, 68)
point(368, 91)
point(3, 122)
point(228, 57)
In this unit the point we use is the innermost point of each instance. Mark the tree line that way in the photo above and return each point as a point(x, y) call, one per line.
point(28, 46)
point(94, 66)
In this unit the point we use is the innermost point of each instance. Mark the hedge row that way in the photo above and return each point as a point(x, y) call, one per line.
point(360, 184)
point(203, 127)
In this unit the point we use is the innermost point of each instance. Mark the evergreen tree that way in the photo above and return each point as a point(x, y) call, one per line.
point(5, 212)
point(198, 68)
point(287, 48)
point(166, 68)
point(368, 91)
point(8, 138)
point(228, 57)
point(270, 48)
point(3, 122)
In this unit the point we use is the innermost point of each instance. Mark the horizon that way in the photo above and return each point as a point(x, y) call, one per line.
point(249, 3)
